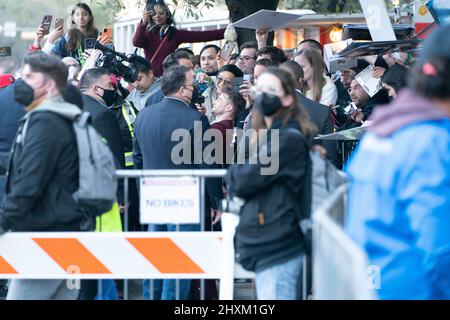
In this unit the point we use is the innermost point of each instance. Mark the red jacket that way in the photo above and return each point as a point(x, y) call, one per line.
point(150, 41)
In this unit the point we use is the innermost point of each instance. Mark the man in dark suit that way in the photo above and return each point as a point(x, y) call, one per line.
point(319, 114)
point(154, 148)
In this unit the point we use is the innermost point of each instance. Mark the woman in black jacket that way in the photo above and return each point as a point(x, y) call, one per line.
point(277, 193)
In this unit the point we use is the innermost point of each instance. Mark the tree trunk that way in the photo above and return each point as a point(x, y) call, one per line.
point(240, 9)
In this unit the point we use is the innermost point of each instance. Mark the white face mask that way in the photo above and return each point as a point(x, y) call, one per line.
point(396, 56)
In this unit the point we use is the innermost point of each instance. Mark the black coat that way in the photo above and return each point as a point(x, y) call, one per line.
point(268, 232)
point(43, 175)
point(105, 122)
point(152, 145)
point(319, 114)
point(127, 140)
point(10, 114)
point(107, 125)
point(381, 98)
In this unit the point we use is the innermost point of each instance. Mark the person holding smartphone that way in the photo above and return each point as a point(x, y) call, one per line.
point(158, 37)
point(51, 38)
point(226, 79)
point(72, 43)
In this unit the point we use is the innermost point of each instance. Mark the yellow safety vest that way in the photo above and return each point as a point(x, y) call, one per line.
point(130, 116)
point(109, 221)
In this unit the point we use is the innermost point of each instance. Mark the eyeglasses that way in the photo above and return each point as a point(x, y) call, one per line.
point(188, 85)
point(225, 81)
point(246, 58)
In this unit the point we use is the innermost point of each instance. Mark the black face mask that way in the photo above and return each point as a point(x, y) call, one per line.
point(23, 93)
point(109, 96)
point(197, 97)
point(269, 104)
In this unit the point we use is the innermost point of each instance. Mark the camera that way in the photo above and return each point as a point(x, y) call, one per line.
point(5, 51)
point(197, 97)
point(113, 61)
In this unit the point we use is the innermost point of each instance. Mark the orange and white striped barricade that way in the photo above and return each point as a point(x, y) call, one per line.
point(89, 255)
point(128, 255)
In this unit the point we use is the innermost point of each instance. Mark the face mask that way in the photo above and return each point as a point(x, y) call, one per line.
point(197, 97)
point(109, 96)
point(269, 104)
point(23, 93)
point(396, 56)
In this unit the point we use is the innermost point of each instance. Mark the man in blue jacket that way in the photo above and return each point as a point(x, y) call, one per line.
point(399, 203)
point(153, 147)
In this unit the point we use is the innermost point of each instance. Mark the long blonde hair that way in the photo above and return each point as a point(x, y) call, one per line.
point(318, 81)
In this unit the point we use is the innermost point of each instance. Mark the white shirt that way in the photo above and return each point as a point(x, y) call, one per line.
point(329, 93)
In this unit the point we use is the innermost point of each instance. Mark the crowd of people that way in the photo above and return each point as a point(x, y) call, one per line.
point(280, 99)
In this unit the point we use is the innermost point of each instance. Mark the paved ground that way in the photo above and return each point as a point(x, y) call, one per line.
point(243, 290)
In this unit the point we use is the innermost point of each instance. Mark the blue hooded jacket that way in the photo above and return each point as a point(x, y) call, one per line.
point(399, 201)
point(10, 114)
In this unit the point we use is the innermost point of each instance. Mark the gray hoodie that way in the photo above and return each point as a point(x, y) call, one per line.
point(140, 98)
point(58, 105)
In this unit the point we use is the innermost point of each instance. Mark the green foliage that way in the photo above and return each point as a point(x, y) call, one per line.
point(29, 13)
point(193, 8)
point(189, 8)
point(327, 6)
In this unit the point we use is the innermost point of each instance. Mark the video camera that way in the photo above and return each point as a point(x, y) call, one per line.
point(112, 61)
point(197, 97)
point(5, 51)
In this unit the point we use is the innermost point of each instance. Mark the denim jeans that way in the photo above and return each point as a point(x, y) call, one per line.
point(166, 289)
point(25, 289)
point(279, 282)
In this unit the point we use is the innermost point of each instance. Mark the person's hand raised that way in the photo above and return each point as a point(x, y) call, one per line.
point(262, 35)
point(55, 34)
point(39, 36)
point(378, 72)
point(203, 77)
point(146, 17)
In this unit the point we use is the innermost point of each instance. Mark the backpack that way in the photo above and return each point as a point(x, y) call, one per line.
point(97, 189)
point(98, 181)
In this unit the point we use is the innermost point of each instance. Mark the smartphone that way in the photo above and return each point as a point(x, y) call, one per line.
point(107, 34)
point(237, 82)
point(89, 43)
point(5, 51)
point(46, 23)
point(149, 7)
point(248, 77)
point(227, 50)
point(59, 22)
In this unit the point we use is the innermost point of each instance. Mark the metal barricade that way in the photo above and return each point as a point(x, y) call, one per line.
point(113, 251)
point(340, 266)
point(126, 175)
